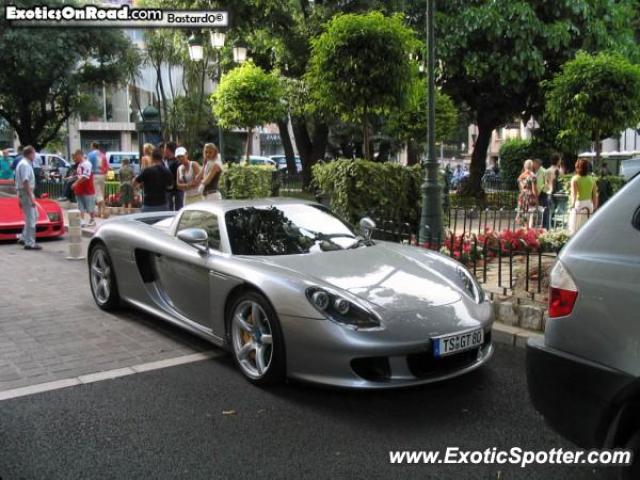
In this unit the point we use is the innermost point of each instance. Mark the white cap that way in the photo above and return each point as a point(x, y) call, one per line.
point(181, 151)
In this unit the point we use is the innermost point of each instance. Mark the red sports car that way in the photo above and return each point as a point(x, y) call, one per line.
point(50, 221)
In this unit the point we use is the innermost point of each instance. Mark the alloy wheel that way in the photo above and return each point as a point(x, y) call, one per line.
point(252, 339)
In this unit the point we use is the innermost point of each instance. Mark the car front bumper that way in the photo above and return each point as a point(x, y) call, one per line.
point(44, 229)
point(321, 352)
point(577, 397)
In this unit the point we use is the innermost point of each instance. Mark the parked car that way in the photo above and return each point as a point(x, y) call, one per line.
point(630, 167)
point(258, 160)
point(292, 291)
point(584, 376)
point(115, 160)
point(54, 165)
point(49, 223)
point(281, 162)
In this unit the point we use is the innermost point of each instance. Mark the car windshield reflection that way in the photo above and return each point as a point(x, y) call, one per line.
point(288, 230)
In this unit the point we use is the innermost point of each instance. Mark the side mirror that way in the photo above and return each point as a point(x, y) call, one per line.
point(196, 237)
point(366, 227)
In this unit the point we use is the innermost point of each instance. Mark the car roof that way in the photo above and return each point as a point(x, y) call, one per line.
point(220, 207)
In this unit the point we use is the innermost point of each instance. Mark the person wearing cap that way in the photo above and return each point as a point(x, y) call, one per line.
point(186, 178)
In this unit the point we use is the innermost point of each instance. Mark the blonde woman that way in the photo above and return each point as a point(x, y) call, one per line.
point(211, 172)
point(187, 177)
point(145, 161)
point(528, 197)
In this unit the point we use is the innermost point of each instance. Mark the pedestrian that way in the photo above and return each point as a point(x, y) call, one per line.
point(551, 186)
point(99, 182)
point(528, 197)
point(176, 197)
point(5, 165)
point(126, 183)
point(156, 181)
point(93, 156)
point(25, 184)
point(84, 188)
point(540, 172)
point(187, 175)
point(145, 161)
point(604, 171)
point(583, 199)
point(210, 174)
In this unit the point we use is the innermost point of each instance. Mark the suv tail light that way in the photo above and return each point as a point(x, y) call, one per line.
point(562, 292)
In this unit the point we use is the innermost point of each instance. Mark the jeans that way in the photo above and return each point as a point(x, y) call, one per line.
point(543, 201)
point(30, 215)
point(154, 208)
point(176, 200)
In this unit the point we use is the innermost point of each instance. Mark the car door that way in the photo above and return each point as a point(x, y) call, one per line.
point(183, 275)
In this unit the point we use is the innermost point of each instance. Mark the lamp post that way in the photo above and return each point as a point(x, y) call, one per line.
point(431, 227)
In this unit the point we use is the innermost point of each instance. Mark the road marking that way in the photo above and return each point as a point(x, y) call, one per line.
point(108, 374)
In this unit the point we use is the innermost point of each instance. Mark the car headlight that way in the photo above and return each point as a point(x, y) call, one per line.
point(470, 285)
point(340, 309)
point(53, 216)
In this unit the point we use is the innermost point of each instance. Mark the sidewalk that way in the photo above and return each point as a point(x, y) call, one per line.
point(51, 329)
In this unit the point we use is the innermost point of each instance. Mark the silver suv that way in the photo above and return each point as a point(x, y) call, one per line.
point(584, 377)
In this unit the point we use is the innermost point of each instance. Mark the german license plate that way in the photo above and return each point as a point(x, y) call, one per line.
point(446, 345)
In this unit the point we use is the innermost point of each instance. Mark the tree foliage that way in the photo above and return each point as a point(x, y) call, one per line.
point(492, 54)
point(360, 67)
point(595, 96)
point(43, 69)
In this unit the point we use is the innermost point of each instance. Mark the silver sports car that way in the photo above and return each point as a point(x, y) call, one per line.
point(292, 291)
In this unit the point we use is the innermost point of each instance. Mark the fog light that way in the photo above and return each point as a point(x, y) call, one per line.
point(321, 299)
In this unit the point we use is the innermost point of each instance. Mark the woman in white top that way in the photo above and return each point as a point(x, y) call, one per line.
point(187, 177)
point(210, 173)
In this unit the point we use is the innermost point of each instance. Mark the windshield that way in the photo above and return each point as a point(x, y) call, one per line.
point(287, 230)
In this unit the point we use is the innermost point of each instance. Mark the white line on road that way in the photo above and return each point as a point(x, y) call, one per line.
point(108, 375)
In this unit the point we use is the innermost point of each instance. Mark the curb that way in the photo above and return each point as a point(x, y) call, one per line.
point(513, 336)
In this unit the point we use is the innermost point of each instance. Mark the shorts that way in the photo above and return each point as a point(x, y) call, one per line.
point(86, 203)
point(99, 184)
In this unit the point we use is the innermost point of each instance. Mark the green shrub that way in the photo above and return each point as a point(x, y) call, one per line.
point(514, 152)
point(246, 181)
point(358, 188)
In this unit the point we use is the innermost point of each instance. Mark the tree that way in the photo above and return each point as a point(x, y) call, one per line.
point(360, 67)
point(43, 69)
point(492, 54)
point(248, 97)
point(594, 96)
point(410, 124)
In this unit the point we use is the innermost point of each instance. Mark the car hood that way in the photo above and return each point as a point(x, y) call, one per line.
point(12, 213)
point(391, 276)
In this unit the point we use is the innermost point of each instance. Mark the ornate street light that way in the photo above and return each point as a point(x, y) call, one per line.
point(196, 49)
point(239, 54)
point(217, 39)
point(431, 226)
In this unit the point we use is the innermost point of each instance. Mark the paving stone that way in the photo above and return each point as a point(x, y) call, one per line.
point(506, 312)
point(530, 317)
point(50, 327)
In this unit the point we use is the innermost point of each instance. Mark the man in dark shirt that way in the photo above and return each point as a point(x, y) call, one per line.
point(156, 181)
point(175, 196)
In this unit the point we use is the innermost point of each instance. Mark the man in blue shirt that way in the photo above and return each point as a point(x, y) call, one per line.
point(93, 156)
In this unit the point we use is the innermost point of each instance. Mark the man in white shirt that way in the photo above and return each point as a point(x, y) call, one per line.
point(25, 185)
point(551, 174)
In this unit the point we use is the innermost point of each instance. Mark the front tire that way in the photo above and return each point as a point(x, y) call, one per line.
point(102, 278)
point(256, 339)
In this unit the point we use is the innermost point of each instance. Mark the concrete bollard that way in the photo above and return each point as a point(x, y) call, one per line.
point(75, 236)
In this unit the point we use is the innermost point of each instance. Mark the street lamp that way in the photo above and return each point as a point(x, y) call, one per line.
point(196, 49)
point(239, 54)
point(431, 227)
point(217, 39)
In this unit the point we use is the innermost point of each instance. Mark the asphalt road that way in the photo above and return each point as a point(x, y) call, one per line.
point(171, 423)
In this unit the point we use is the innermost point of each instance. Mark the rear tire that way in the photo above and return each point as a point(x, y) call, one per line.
point(102, 278)
point(257, 343)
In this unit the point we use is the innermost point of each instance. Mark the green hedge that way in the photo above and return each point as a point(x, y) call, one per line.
point(513, 154)
point(358, 188)
point(247, 181)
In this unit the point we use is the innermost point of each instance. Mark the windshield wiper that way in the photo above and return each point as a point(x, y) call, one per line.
point(360, 241)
